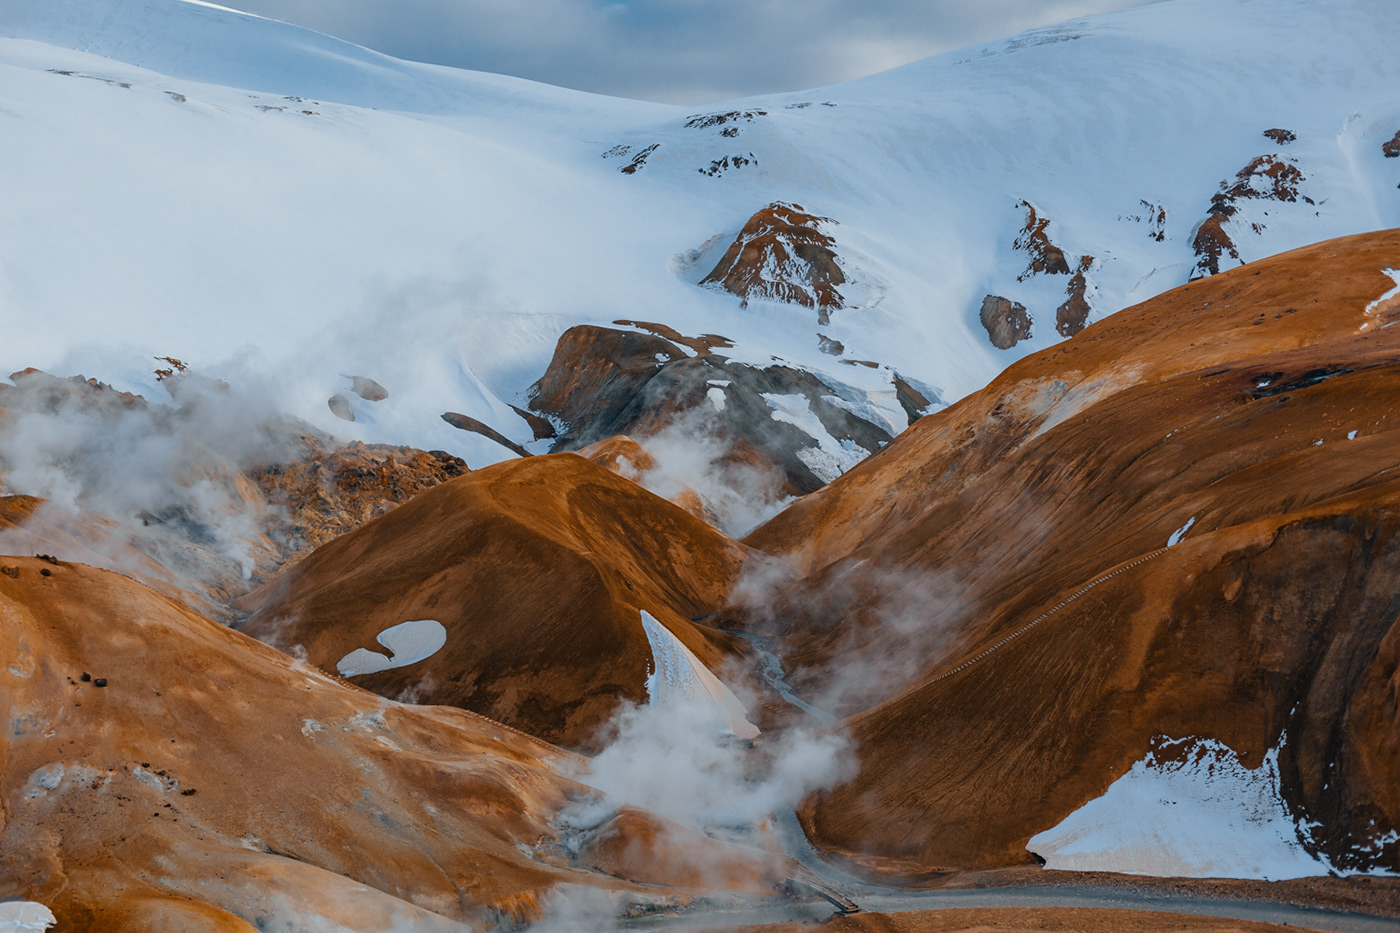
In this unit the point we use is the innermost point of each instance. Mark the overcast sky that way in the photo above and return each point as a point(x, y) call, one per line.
point(677, 51)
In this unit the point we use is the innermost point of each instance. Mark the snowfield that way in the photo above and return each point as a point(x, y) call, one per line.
point(288, 211)
point(1199, 813)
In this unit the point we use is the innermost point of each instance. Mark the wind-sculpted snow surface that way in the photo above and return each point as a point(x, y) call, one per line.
point(330, 211)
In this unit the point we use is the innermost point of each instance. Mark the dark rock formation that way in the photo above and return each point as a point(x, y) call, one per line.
point(1280, 136)
point(1045, 257)
point(1070, 316)
point(603, 382)
point(1266, 177)
point(468, 423)
point(1007, 321)
point(782, 255)
point(1392, 148)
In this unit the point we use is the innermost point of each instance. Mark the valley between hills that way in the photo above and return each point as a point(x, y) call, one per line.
point(930, 549)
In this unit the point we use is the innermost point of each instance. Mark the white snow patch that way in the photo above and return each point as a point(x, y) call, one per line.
point(408, 643)
point(1395, 277)
point(830, 458)
point(24, 917)
point(1180, 533)
point(1351, 435)
point(680, 679)
point(1203, 815)
point(716, 397)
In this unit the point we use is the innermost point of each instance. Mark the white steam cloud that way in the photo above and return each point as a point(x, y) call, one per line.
point(690, 456)
point(127, 481)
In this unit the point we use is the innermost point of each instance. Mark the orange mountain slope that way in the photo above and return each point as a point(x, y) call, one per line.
point(537, 570)
point(161, 772)
point(993, 600)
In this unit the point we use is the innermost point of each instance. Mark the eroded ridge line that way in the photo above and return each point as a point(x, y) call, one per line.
point(1047, 614)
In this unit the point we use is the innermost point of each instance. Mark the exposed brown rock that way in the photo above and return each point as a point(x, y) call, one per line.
point(705, 343)
point(1006, 321)
point(1211, 242)
point(1025, 920)
point(782, 255)
point(1391, 148)
point(1071, 316)
point(1230, 401)
point(368, 389)
point(603, 382)
point(328, 490)
point(340, 407)
point(1281, 136)
point(1034, 241)
point(639, 160)
point(1266, 177)
point(36, 389)
point(913, 402)
point(468, 423)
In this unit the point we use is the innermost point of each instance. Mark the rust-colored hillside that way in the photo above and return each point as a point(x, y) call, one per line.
point(995, 599)
point(537, 569)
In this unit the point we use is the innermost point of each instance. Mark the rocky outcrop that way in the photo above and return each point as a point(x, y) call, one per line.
point(1034, 240)
point(1266, 177)
point(1175, 529)
point(782, 254)
point(1071, 316)
point(329, 489)
point(467, 423)
point(1281, 136)
point(1007, 322)
point(603, 382)
point(1391, 148)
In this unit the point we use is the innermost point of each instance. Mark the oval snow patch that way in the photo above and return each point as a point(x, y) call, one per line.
point(24, 917)
point(408, 643)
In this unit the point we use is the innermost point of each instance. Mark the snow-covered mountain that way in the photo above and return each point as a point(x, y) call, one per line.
point(289, 211)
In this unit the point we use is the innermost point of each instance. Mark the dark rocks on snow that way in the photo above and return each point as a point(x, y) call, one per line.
point(781, 254)
point(1034, 241)
point(468, 423)
point(1007, 321)
point(1392, 148)
point(1071, 316)
point(368, 389)
point(1266, 177)
point(1281, 136)
point(340, 407)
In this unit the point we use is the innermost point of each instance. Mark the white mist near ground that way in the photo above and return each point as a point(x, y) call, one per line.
point(680, 762)
point(163, 479)
point(689, 454)
point(572, 908)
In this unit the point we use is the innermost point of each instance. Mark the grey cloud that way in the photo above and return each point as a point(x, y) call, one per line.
point(677, 51)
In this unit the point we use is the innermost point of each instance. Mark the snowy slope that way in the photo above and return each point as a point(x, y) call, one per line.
point(288, 211)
